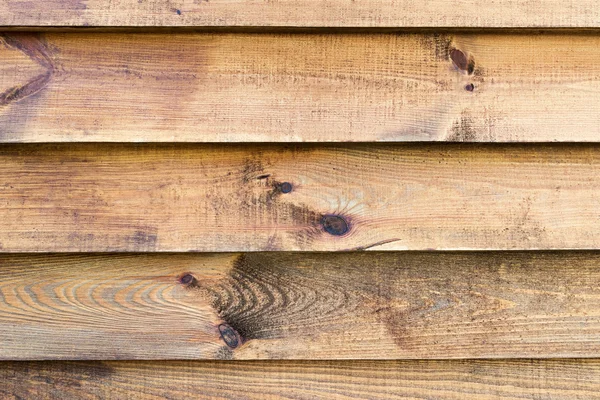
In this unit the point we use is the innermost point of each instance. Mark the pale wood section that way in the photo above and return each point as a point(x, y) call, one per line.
point(442, 380)
point(300, 306)
point(302, 13)
point(200, 87)
point(109, 197)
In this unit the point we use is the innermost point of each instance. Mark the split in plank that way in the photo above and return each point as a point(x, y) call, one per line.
point(359, 305)
point(190, 197)
point(443, 380)
point(200, 87)
point(302, 13)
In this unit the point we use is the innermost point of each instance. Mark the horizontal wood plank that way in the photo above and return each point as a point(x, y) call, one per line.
point(300, 306)
point(109, 197)
point(243, 87)
point(296, 13)
point(443, 380)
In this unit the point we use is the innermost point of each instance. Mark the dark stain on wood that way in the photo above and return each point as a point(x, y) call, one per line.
point(144, 239)
point(440, 44)
point(37, 50)
point(463, 130)
point(224, 353)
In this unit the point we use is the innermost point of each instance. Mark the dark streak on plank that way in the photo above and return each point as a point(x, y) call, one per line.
point(37, 50)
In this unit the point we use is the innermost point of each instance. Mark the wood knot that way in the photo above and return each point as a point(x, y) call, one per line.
point(335, 225)
point(285, 187)
point(187, 279)
point(461, 61)
point(231, 338)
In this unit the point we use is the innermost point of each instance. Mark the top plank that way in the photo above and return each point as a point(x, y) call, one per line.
point(302, 13)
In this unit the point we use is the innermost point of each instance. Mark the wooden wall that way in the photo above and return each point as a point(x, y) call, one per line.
point(253, 199)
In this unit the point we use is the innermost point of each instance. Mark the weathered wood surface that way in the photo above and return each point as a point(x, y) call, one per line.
point(109, 197)
point(443, 380)
point(300, 306)
point(296, 13)
point(199, 87)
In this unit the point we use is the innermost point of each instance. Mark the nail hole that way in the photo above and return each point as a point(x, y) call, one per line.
point(470, 87)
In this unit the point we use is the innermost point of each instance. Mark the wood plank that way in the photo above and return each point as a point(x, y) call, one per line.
point(244, 87)
point(300, 306)
point(296, 13)
point(175, 197)
point(444, 380)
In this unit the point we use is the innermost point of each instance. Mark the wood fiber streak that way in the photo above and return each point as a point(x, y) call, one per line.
point(145, 198)
point(300, 306)
point(200, 87)
point(444, 380)
point(306, 13)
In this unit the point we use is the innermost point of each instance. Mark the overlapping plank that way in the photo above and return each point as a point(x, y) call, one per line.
point(109, 197)
point(296, 13)
point(444, 380)
point(200, 87)
point(300, 306)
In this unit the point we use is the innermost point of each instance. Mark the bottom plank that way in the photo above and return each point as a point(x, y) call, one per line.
point(466, 379)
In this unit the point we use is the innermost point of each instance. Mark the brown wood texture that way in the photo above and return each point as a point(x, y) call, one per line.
point(148, 197)
point(300, 306)
point(296, 13)
point(202, 87)
point(444, 380)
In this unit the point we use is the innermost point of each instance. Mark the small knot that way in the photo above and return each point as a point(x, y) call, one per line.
point(285, 187)
point(187, 279)
point(335, 225)
point(231, 338)
point(459, 59)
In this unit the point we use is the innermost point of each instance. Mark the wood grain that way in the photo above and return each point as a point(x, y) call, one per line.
point(296, 13)
point(444, 380)
point(300, 306)
point(243, 87)
point(109, 197)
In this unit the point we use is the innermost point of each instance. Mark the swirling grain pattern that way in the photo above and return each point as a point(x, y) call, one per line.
point(299, 305)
